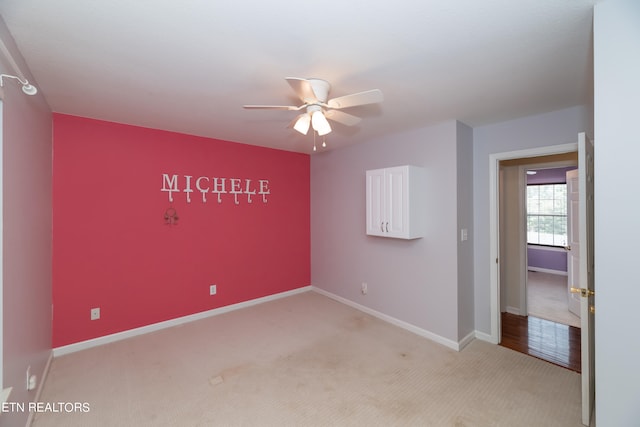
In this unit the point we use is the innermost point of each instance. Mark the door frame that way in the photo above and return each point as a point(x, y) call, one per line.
point(494, 222)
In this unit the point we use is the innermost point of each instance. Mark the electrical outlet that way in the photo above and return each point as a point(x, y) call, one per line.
point(32, 382)
point(365, 288)
point(213, 290)
point(95, 313)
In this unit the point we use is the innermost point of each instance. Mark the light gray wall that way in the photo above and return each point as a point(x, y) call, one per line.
point(617, 152)
point(553, 128)
point(27, 170)
point(464, 137)
point(414, 281)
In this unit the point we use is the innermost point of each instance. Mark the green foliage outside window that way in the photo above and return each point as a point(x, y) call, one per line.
point(547, 214)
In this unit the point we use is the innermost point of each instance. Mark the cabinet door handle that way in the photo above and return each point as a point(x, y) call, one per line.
point(387, 227)
point(382, 227)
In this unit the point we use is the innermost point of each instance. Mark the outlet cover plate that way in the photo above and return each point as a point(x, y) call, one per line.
point(95, 313)
point(213, 289)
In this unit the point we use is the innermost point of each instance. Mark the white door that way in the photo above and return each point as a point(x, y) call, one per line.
point(375, 202)
point(585, 207)
point(573, 241)
point(396, 193)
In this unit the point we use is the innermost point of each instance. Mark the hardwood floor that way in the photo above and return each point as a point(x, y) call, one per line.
point(544, 339)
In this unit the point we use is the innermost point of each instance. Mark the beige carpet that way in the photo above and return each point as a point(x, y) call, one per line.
point(547, 298)
point(306, 360)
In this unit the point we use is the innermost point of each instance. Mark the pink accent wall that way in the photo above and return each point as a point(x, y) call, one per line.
point(113, 250)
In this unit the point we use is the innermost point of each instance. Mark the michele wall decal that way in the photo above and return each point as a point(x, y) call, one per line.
point(239, 188)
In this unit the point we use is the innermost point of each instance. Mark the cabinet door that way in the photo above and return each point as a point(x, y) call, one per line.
point(396, 215)
point(375, 202)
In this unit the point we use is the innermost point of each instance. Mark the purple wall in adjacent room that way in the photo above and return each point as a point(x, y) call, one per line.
point(549, 176)
point(547, 259)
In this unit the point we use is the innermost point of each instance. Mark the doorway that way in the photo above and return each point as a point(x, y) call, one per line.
point(533, 273)
point(533, 236)
point(516, 252)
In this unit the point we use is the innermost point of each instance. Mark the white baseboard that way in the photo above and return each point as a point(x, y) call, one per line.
point(466, 340)
point(400, 323)
point(548, 270)
point(514, 310)
point(83, 345)
point(485, 337)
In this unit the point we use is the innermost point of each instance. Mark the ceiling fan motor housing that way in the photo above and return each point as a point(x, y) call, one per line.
point(313, 107)
point(320, 88)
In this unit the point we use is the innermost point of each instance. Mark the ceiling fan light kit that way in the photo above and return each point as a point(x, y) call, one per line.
point(320, 123)
point(314, 94)
point(302, 123)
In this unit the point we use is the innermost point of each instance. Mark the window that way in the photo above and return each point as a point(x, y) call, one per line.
point(547, 214)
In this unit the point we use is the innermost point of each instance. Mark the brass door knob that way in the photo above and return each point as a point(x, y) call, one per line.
point(582, 291)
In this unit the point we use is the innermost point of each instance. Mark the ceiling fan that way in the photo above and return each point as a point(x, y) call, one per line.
point(314, 94)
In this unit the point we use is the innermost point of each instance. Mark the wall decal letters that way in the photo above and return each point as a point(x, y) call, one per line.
point(237, 187)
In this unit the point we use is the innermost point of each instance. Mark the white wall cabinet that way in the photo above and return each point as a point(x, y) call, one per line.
point(396, 202)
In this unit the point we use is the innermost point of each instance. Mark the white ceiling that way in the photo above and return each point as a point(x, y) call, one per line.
point(190, 65)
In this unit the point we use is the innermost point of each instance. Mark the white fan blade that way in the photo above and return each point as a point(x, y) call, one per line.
point(342, 117)
point(274, 107)
point(362, 98)
point(301, 123)
point(303, 89)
